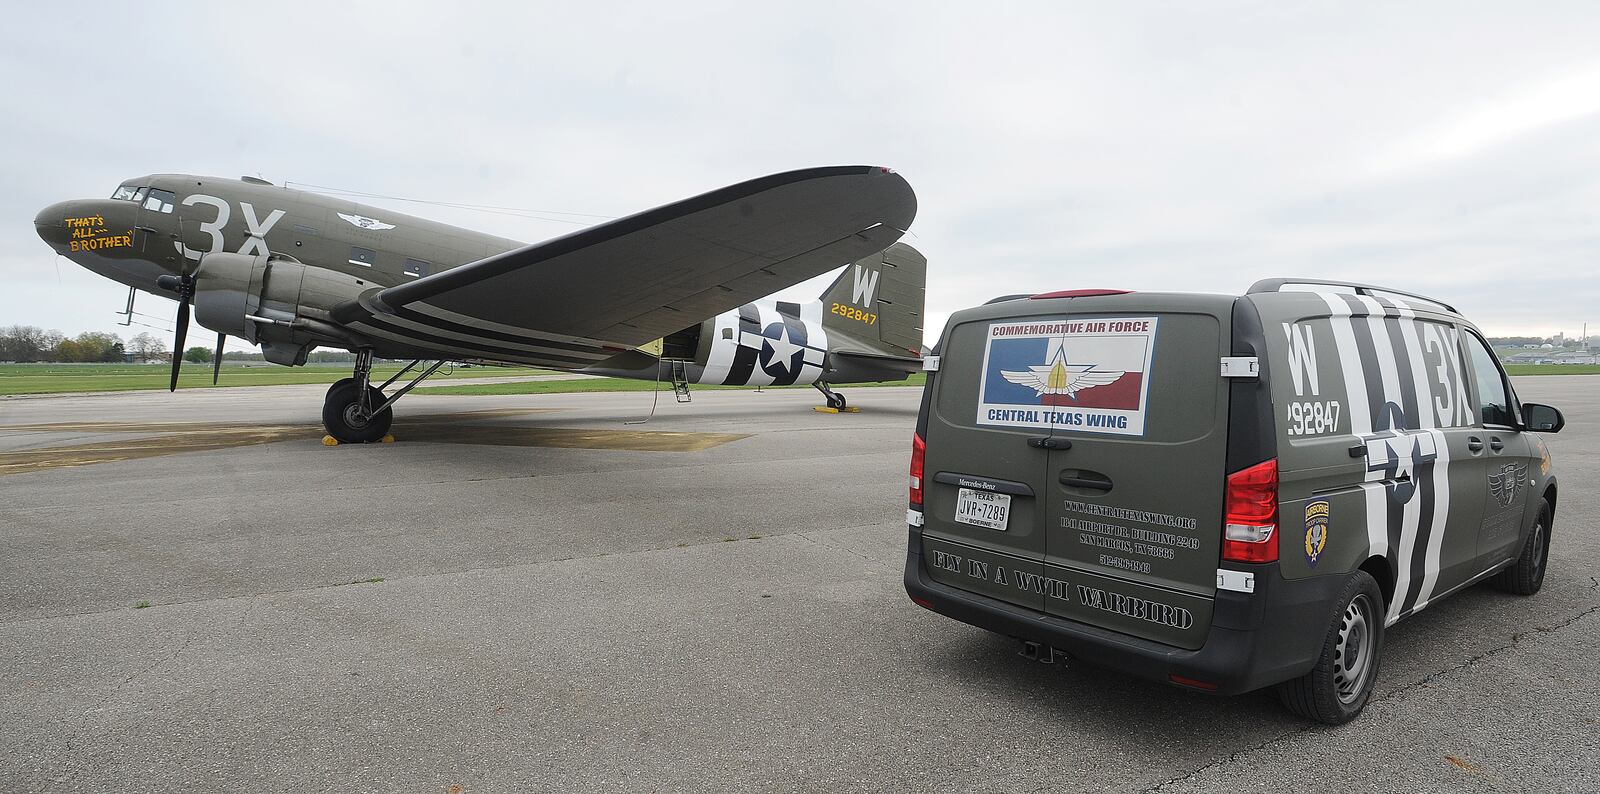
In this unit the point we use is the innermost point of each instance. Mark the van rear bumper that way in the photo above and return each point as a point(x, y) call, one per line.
point(1256, 639)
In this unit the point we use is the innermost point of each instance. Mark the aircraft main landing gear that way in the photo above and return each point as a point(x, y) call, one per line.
point(356, 412)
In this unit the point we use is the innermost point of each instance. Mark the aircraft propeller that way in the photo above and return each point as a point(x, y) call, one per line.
point(216, 358)
point(183, 286)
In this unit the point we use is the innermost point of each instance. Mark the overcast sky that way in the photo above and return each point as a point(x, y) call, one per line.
point(1447, 148)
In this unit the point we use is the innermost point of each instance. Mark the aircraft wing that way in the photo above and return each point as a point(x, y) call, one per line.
point(633, 280)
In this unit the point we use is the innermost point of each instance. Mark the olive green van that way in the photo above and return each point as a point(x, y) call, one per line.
point(1222, 492)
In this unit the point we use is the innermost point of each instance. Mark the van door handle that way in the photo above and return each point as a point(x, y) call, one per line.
point(1049, 442)
point(1085, 482)
point(1474, 444)
point(1495, 443)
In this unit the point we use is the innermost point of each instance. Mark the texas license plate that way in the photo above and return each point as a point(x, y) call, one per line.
point(983, 508)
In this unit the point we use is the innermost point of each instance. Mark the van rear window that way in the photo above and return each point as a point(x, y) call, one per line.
point(1136, 375)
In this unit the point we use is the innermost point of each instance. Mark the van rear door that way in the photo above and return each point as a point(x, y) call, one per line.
point(985, 485)
point(1133, 502)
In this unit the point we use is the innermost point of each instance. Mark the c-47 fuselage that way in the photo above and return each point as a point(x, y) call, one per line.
point(164, 223)
point(289, 270)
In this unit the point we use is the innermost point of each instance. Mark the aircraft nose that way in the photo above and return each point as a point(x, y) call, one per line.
point(51, 222)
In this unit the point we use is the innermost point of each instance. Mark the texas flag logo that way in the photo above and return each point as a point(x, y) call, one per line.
point(1087, 375)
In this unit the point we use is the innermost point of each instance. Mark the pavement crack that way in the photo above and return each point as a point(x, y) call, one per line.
point(1395, 695)
point(451, 572)
point(73, 763)
point(871, 563)
point(1231, 757)
point(1427, 680)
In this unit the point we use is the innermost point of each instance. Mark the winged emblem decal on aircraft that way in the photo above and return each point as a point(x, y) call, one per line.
point(363, 222)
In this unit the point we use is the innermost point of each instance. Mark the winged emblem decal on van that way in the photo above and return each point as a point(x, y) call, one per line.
point(1505, 483)
point(1059, 377)
point(1088, 375)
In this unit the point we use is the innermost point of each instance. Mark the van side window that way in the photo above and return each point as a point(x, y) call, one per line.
point(1494, 402)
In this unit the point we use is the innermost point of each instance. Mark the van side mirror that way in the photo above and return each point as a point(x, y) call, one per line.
point(1542, 418)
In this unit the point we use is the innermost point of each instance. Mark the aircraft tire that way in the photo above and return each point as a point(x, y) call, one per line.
point(342, 420)
point(337, 384)
point(836, 401)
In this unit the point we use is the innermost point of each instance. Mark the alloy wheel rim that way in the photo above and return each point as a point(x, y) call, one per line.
point(1352, 661)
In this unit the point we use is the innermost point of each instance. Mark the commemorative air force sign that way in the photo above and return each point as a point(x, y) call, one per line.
point(1085, 375)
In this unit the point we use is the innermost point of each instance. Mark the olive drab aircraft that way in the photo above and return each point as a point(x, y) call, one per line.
point(662, 294)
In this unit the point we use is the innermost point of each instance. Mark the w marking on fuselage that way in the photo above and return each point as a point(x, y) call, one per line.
point(1302, 358)
point(866, 286)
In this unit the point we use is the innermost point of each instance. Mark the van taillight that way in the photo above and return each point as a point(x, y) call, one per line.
point(1250, 534)
point(918, 450)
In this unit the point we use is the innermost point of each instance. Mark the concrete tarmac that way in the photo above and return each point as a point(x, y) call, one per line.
point(512, 598)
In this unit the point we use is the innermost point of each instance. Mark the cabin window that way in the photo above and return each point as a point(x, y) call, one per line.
point(416, 268)
point(159, 201)
point(364, 257)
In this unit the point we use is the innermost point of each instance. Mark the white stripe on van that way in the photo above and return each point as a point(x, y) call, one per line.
point(1344, 341)
point(1440, 474)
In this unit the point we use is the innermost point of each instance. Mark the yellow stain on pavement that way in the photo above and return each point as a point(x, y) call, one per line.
point(158, 439)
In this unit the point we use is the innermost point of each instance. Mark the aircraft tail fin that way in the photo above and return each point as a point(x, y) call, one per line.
point(878, 301)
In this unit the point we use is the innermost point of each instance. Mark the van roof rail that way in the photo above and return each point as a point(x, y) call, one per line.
point(1276, 285)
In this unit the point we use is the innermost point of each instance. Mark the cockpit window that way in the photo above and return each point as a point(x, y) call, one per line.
point(124, 193)
point(159, 201)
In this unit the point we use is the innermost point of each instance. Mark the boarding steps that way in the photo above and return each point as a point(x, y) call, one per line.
point(680, 381)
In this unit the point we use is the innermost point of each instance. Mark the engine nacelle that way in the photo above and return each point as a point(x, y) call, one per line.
point(275, 302)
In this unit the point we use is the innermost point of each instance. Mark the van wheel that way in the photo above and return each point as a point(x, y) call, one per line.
point(1526, 575)
point(1338, 687)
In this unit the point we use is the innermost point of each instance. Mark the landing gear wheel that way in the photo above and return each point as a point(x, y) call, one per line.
point(835, 399)
point(1526, 575)
point(1336, 690)
point(344, 419)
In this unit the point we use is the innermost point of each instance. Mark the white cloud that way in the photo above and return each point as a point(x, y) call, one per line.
point(1437, 146)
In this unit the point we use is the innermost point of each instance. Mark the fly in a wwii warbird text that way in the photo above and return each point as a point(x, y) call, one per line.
point(666, 292)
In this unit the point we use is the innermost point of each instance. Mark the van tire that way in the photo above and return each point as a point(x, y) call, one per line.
point(1355, 637)
point(1526, 575)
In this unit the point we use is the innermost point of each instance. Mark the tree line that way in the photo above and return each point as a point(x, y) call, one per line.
point(29, 344)
point(26, 343)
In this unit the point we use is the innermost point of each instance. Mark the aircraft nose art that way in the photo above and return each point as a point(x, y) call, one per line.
point(51, 223)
